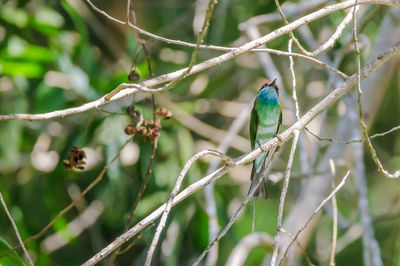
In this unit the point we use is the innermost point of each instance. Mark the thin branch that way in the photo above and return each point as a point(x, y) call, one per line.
point(336, 35)
point(353, 140)
point(135, 240)
point(289, 9)
point(334, 191)
point(15, 229)
point(284, 136)
point(202, 32)
point(241, 251)
point(335, 219)
point(371, 251)
point(126, 89)
point(229, 162)
point(211, 209)
point(363, 125)
point(205, 130)
point(283, 230)
point(283, 196)
point(291, 34)
point(138, 196)
point(294, 94)
point(236, 214)
point(74, 202)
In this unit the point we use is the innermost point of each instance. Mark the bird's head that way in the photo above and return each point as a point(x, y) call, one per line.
point(271, 84)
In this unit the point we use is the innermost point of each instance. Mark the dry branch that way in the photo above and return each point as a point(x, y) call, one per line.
point(286, 135)
point(126, 89)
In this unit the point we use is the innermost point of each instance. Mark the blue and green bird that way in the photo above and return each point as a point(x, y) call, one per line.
point(266, 117)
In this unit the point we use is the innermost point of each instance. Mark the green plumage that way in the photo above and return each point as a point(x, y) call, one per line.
point(266, 117)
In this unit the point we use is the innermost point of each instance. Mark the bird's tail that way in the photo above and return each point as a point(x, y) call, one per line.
point(260, 191)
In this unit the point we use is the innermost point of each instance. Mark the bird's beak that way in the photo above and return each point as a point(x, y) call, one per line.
point(272, 84)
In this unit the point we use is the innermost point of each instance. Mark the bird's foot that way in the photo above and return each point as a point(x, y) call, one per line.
point(279, 143)
point(279, 138)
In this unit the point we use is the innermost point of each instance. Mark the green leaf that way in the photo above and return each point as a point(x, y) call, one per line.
point(12, 258)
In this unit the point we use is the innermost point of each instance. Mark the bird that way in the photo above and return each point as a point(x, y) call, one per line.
point(265, 120)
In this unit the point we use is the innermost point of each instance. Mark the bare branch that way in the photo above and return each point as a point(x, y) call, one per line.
point(284, 136)
point(283, 196)
point(339, 186)
point(237, 212)
point(363, 125)
point(15, 229)
point(126, 89)
point(241, 251)
point(229, 162)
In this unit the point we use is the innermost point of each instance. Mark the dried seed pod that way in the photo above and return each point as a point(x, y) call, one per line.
point(133, 76)
point(164, 113)
point(130, 130)
point(75, 159)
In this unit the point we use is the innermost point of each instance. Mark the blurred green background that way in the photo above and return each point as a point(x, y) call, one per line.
point(60, 54)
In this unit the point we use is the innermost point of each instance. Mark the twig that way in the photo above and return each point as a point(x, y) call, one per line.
point(138, 197)
point(335, 219)
point(241, 251)
point(74, 202)
point(236, 214)
point(15, 229)
point(371, 252)
point(294, 94)
point(300, 246)
point(289, 9)
point(229, 162)
point(205, 130)
point(283, 196)
point(291, 34)
point(285, 135)
point(353, 140)
point(211, 208)
point(336, 34)
point(363, 126)
point(135, 240)
point(334, 191)
point(129, 89)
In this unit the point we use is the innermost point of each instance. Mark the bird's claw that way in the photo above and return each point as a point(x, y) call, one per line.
point(279, 138)
point(278, 147)
point(260, 146)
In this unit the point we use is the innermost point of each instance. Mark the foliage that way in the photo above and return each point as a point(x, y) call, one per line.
point(60, 54)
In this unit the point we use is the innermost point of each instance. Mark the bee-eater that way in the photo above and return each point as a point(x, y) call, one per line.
point(266, 117)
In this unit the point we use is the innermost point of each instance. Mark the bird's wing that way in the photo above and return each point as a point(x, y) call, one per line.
point(253, 125)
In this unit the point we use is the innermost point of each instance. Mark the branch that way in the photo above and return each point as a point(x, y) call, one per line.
point(241, 251)
point(126, 89)
point(229, 162)
point(15, 229)
point(283, 196)
point(339, 186)
point(237, 212)
point(284, 136)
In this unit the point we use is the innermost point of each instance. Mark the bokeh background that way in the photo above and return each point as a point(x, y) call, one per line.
point(60, 54)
